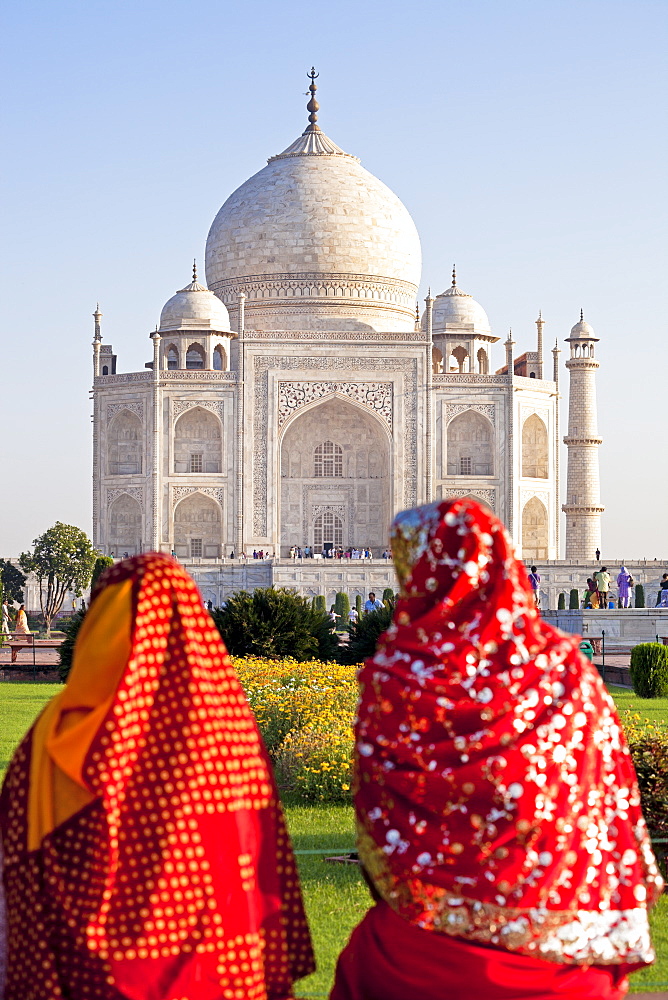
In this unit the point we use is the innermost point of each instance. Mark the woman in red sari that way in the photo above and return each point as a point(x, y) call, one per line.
point(145, 852)
point(498, 812)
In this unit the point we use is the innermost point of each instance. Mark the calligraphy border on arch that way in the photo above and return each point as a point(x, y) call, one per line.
point(135, 406)
point(489, 496)
point(180, 406)
point(406, 367)
point(487, 409)
point(179, 493)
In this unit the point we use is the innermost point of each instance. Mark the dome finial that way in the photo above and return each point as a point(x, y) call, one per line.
point(194, 269)
point(312, 107)
point(582, 316)
point(454, 275)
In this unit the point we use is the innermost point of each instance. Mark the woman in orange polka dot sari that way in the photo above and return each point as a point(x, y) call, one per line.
point(498, 811)
point(146, 855)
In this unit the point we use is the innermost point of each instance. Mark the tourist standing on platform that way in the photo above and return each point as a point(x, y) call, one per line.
point(145, 851)
point(534, 580)
point(489, 761)
point(624, 586)
point(5, 617)
point(663, 594)
point(591, 596)
point(602, 578)
point(21, 624)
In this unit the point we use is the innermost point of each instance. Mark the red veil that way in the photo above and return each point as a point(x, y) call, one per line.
point(146, 854)
point(496, 798)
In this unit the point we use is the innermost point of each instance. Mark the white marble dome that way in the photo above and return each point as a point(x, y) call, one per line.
point(455, 310)
point(582, 330)
point(194, 308)
point(316, 242)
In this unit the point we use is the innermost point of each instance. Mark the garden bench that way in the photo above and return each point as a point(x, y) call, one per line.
point(30, 642)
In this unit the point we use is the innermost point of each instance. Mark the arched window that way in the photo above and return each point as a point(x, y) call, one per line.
point(461, 359)
point(197, 528)
point(327, 528)
point(172, 358)
point(534, 530)
point(195, 356)
point(105, 369)
point(436, 361)
point(328, 461)
point(470, 445)
point(483, 363)
point(218, 359)
point(124, 451)
point(197, 442)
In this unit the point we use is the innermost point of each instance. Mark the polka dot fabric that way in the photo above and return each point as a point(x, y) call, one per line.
point(495, 793)
point(178, 881)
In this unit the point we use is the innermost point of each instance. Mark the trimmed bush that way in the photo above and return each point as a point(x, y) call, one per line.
point(342, 608)
point(358, 605)
point(274, 623)
point(574, 599)
point(320, 604)
point(102, 563)
point(66, 649)
point(388, 596)
point(363, 635)
point(649, 670)
point(561, 603)
point(640, 595)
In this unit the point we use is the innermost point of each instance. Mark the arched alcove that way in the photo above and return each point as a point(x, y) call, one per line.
point(172, 358)
point(534, 530)
point(124, 445)
point(124, 527)
point(436, 361)
point(470, 445)
point(219, 359)
point(534, 448)
point(483, 362)
point(349, 477)
point(327, 530)
point(461, 358)
point(197, 442)
point(197, 528)
point(195, 357)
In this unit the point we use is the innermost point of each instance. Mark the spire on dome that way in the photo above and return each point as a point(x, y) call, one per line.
point(454, 275)
point(312, 107)
point(194, 269)
point(582, 316)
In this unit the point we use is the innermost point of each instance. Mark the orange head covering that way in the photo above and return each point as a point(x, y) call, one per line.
point(153, 736)
point(495, 794)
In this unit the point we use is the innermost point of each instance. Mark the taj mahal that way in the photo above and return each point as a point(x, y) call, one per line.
point(301, 396)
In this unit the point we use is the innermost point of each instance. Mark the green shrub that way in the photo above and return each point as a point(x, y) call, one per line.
point(388, 596)
point(574, 599)
point(363, 635)
point(650, 758)
point(649, 670)
point(102, 563)
point(561, 603)
point(320, 604)
point(358, 605)
point(274, 623)
point(66, 649)
point(342, 609)
point(640, 595)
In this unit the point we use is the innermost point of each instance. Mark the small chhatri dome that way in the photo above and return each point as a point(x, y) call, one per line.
point(456, 310)
point(194, 308)
point(582, 330)
point(316, 242)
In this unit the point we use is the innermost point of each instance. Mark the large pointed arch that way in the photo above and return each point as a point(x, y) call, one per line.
point(198, 522)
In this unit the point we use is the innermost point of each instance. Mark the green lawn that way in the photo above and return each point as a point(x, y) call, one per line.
point(336, 897)
point(654, 709)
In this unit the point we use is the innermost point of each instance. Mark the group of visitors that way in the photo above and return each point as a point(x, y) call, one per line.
point(20, 624)
point(498, 820)
point(598, 592)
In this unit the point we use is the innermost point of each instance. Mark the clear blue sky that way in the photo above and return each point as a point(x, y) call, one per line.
point(528, 140)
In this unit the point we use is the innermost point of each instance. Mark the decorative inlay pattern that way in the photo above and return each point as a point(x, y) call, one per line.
point(488, 496)
point(407, 367)
point(339, 509)
point(487, 409)
point(542, 495)
point(456, 379)
point(121, 379)
point(314, 285)
point(179, 492)
point(371, 336)
point(310, 511)
point(134, 406)
point(376, 395)
point(136, 492)
point(179, 406)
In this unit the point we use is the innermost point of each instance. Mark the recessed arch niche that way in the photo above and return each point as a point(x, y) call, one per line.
point(534, 448)
point(534, 530)
point(470, 445)
point(358, 490)
point(125, 524)
point(124, 452)
point(198, 442)
point(198, 528)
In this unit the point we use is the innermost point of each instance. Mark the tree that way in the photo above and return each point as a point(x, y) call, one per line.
point(13, 581)
point(342, 608)
point(561, 602)
point(574, 599)
point(273, 623)
point(101, 564)
point(66, 649)
point(62, 560)
point(388, 595)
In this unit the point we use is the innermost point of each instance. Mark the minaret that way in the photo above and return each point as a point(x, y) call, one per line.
point(540, 323)
point(583, 493)
point(509, 344)
point(97, 341)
